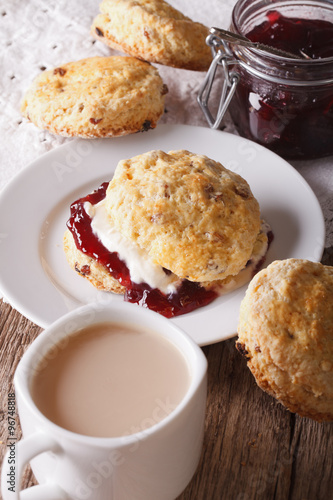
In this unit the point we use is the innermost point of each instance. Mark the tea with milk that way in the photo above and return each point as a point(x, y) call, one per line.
point(110, 380)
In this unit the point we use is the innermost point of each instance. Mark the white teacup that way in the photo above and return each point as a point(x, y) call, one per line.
point(154, 464)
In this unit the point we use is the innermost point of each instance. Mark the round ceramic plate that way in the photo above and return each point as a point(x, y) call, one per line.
point(35, 276)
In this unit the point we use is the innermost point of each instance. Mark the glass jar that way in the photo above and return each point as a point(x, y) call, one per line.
point(282, 103)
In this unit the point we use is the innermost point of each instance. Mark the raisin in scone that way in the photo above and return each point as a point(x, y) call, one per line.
point(96, 97)
point(286, 334)
point(154, 31)
point(174, 230)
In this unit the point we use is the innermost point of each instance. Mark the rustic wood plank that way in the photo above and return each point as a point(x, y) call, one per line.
point(254, 448)
point(16, 334)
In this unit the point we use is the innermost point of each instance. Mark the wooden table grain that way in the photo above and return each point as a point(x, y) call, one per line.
point(254, 449)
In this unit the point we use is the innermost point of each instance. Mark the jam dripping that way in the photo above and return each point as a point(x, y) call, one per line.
point(189, 295)
point(313, 37)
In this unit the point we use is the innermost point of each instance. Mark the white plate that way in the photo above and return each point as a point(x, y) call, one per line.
point(34, 207)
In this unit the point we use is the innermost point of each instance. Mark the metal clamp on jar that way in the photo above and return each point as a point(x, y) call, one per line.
point(278, 98)
point(222, 58)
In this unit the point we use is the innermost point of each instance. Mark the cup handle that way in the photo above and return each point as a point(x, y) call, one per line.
point(14, 463)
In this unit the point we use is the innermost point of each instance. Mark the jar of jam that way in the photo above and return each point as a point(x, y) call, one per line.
point(283, 103)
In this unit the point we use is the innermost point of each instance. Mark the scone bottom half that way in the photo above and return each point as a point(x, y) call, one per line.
point(285, 333)
point(96, 97)
point(111, 268)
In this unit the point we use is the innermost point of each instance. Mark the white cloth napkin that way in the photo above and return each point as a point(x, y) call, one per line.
point(41, 34)
point(47, 33)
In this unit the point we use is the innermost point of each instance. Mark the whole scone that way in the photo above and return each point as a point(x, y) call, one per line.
point(286, 334)
point(154, 31)
point(96, 97)
point(192, 216)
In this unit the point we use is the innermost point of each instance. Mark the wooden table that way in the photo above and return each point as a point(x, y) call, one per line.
point(254, 449)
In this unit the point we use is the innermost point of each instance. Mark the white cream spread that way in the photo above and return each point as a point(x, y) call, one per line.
point(141, 267)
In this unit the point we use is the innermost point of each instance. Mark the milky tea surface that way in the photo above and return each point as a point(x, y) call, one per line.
point(110, 380)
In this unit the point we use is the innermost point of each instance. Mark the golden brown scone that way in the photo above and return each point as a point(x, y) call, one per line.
point(89, 268)
point(192, 216)
point(286, 333)
point(96, 97)
point(253, 265)
point(154, 31)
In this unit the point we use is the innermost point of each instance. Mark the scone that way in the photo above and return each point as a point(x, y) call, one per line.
point(286, 334)
point(174, 229)
point(96, 97)
point(154, 31)
point(192, 216)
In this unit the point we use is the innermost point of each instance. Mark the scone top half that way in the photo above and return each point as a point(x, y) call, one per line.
point(193, 216)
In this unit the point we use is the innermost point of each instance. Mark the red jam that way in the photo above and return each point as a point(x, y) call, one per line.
point(312, 37)
point(188, 297)
point(295, 121)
